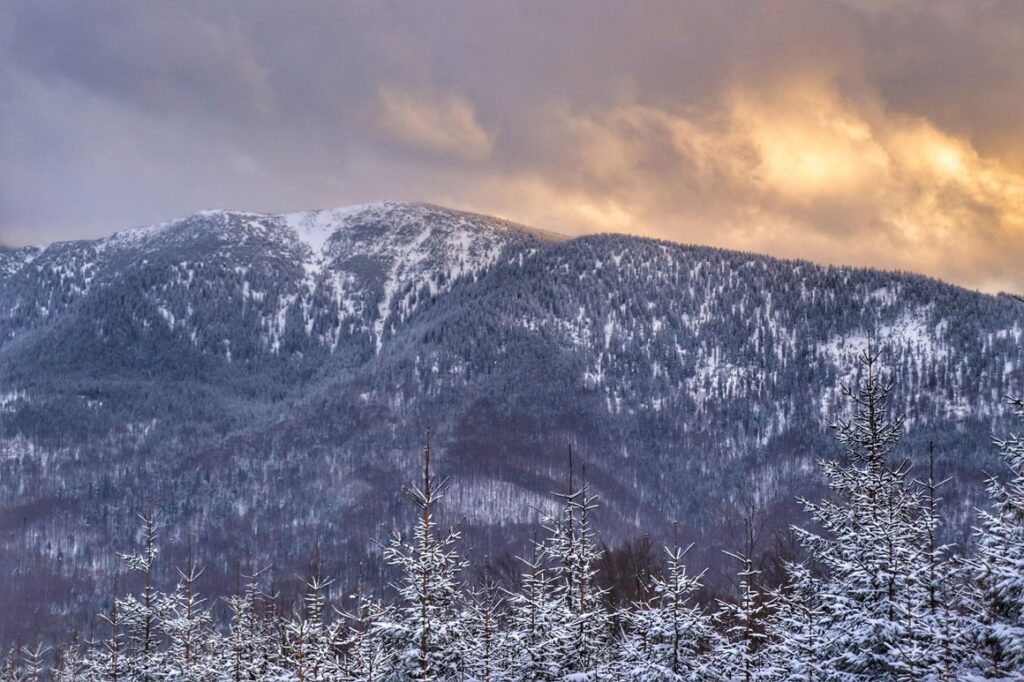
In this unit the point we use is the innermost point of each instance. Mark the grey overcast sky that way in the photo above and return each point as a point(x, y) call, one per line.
point(887, 134)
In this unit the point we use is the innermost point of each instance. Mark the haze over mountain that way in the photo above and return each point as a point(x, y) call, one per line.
point(265, 383)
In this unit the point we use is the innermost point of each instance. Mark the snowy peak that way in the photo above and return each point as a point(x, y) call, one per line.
point(395, 251)
point(417, 220)
point(307, 280)
point(316, 229)
point(404, 235)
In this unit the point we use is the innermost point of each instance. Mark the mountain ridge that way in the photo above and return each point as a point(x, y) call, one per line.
point(543, 234)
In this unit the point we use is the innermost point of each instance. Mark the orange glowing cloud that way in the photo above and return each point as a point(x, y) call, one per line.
point(443, 123)
point(795, 168)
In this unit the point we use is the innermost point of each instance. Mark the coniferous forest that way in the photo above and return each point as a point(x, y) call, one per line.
point(263, 383)
point(512, 341)
point(871, 591)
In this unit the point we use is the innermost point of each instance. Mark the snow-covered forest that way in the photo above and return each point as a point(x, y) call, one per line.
point(871, 593)
point(255, 377)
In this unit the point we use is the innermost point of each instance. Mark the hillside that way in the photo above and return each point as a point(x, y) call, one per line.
point(265, 383)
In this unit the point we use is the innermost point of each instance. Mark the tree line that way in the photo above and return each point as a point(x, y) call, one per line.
point(876, 595)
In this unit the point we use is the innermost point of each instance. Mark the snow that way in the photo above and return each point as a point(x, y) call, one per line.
point(15, 260)
point(9, 398)
point(417, 246)
point(315, 228)
point(421, 246)
point(167, 315)
point(909, 330)
point(412, 252)
point(136, 235)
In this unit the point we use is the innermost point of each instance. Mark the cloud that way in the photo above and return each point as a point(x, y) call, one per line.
point(882, 134)
point(444, 124)
point(800, 169)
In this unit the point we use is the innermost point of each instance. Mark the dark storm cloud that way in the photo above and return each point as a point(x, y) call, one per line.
point(876, 133)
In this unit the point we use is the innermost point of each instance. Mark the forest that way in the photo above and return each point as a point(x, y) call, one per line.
point(871, 591)
point(224, 374)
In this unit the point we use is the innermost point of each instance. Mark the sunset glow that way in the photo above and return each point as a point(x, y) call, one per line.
point(873, 134)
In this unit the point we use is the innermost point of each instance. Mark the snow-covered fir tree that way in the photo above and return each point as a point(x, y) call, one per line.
point(572, 552)
point(35, 667)
point(109, 659)
point(71, 663)
point(997, 570)
point(187, 624)
point(539, 622)
point(309, 641)
point(797, 630)
point(667, 636)
point(426, 632)
point(935, 646)
point(139, 617)
point(249, 650)
point(737, 651)
point(873, 541)
point(367, 656)
point(486, 634)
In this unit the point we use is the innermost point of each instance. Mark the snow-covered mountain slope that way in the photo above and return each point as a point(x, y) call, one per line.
point(265, 381)
point(305, 280)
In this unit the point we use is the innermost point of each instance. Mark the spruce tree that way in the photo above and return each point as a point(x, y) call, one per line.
point(111, 663)
point(426, 630)
point(572, 552)
point(872, 540)
point(539, 624)
point(309, 640)
point(367, 656)
point(737, 653)
point(796, 631)
point(933, 647)
point(140, 616)
point(997, 569)
point(248, 652)
point(187, 626)
point(666, 636)
point(34, 667)
point(486, 635)
point(72, 664)
point(10, 671)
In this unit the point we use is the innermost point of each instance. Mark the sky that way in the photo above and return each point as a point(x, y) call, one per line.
point(884, 134)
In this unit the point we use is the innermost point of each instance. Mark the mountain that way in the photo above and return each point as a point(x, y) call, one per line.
point(265, 382)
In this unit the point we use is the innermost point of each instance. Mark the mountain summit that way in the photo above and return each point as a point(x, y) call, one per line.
point(347, 260)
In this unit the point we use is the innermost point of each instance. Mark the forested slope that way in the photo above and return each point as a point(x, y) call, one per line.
point(262, 381)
